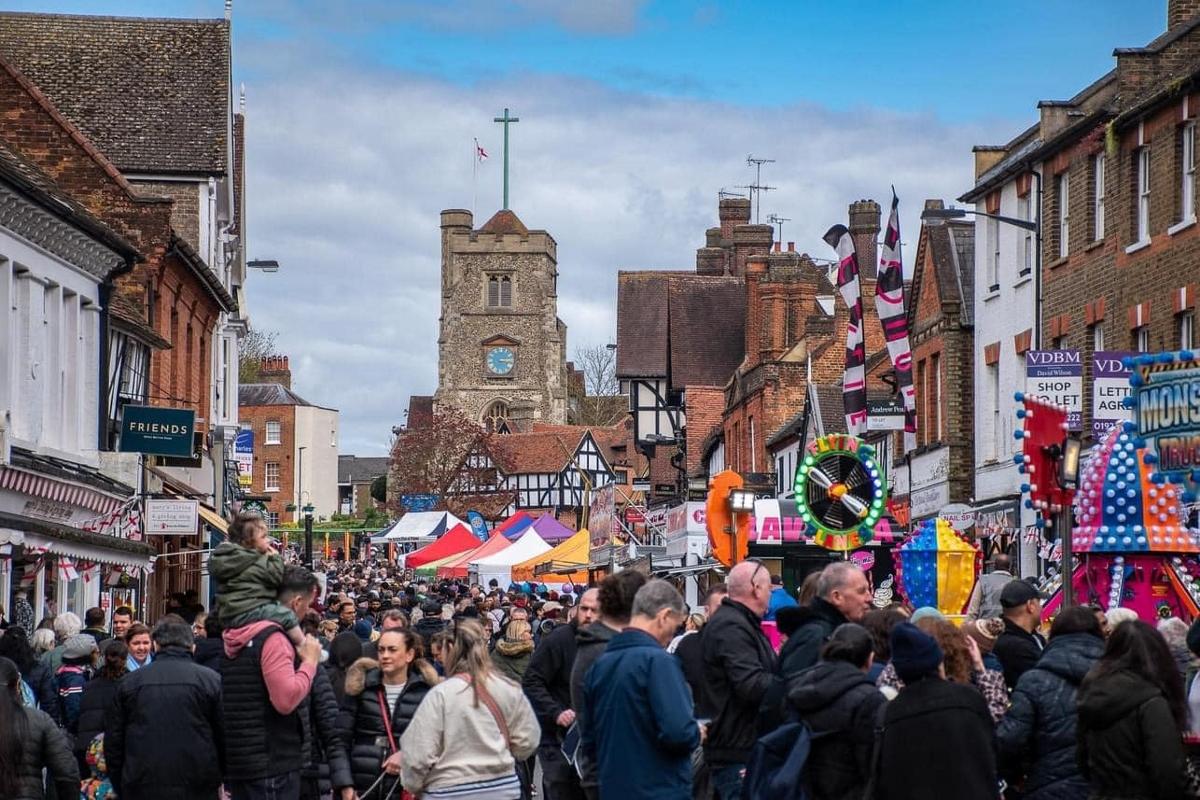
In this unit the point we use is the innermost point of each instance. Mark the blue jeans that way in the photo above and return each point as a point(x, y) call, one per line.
point(276, 787)
point(726, 781)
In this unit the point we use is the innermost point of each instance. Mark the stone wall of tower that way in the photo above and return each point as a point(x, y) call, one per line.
point(538, 336)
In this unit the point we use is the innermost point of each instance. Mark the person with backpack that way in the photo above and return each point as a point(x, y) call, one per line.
point(937, 738)
point(840, 705)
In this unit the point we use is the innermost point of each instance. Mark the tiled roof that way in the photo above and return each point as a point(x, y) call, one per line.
point(537, 451)
point(268, 394)
point(504, 221)
point(36, 185)
point(689, 328)
point(361, 468)
point(153, 94)
point(951, 247)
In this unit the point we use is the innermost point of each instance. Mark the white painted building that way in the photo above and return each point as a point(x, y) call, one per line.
point(56, 262)
point(317, 434)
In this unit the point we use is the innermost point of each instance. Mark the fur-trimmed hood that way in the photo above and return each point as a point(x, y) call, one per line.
point(364, 674)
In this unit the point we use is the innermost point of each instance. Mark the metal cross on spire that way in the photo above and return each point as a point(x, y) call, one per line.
point(505, 120)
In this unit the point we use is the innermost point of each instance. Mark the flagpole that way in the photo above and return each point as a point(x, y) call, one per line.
point(474, 177)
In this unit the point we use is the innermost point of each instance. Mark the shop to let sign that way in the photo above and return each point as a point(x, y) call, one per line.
point(1056, 377)
point(158, 431)
point(243, 453)
point(1167, 402)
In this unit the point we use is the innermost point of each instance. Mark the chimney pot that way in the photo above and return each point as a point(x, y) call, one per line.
point(778, 245)
point(791, 247)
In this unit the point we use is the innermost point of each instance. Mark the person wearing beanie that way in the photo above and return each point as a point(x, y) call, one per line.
point(985, 632)
point(933, 721)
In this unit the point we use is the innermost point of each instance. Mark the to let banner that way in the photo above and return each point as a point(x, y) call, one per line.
point(1056, 376)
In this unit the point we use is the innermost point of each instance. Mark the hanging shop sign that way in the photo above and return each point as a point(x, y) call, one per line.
point(243, 451)
point(171, 517)
point(885, 415)
point(158, 431)
point(1110, 387)
point(1056, 377)
point(1167, 403)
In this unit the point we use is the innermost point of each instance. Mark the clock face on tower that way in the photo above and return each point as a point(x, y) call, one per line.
point(501, 360)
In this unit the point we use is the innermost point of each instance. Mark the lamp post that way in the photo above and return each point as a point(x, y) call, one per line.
point(741, 501)
point(297, 501)
point(1068, 480)
point(940, 215)
point(308, 535)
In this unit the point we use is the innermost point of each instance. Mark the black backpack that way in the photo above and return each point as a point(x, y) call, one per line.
point(777, 762)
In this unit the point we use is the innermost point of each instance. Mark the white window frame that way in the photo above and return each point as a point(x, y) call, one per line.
point(1187, 189)
point(1025, 212)
point(1098, 196)
point(1143, 198)
point(278, 437)
point(936, 366)
point(267, 487)
point(997, 442)
point(1187, 330)
point(1064, 215)
point(1142, 336)
point(993, 235)
point(1097, 337)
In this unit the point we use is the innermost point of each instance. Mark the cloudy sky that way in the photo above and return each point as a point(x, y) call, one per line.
point(634, 114)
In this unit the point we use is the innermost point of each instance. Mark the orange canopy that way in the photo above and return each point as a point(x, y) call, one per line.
point(569, 562)
point(458, 539)
point(458, 567)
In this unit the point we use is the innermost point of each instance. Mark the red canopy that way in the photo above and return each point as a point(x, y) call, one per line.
point(458, 539)
point(458, 567)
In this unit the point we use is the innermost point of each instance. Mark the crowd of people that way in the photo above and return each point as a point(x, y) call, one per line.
point(358, 683)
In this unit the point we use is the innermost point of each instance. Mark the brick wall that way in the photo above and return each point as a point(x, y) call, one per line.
point(256, 418)
point(185, 212)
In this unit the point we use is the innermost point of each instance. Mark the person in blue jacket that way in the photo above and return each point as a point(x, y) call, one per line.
point(780, 598)
point(639, 731)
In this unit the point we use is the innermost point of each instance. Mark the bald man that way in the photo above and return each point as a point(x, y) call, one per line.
point(547, 684)
point(739, 667)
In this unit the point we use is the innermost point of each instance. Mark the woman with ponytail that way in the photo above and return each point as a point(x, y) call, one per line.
point(836, 697)
point(29, 743)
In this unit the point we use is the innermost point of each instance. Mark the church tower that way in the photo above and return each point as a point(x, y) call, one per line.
point(500, 342)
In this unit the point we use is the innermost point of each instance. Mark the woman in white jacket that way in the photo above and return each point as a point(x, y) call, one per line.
point(469, 731)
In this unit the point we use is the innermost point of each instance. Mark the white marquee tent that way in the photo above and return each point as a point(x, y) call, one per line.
point(499, 566)
point(418, 526)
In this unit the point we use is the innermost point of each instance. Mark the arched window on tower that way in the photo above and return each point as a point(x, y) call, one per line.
point(495, 417)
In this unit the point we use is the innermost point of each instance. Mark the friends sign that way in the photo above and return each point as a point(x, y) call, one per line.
point(1167, 406)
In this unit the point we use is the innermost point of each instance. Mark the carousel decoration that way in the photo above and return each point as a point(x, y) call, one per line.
point(1041, 435)
point(937, 567)
point(840, 492)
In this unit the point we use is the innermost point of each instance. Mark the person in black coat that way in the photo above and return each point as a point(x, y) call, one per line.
point(97, 697)
point(163, 736)
point(1037, 736)
point(30, 746)
point(402, 672)
point(328, 766)
point(839, 702)
point(1020, 646)
point(938, 739)
point(14, 645)
point(1131, 717)
point(210, 648)
point(739, 667)
point(344, 650)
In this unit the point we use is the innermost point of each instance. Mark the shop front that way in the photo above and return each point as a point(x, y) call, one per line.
point(687, 563)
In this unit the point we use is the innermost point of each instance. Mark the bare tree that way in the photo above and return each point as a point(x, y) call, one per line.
point(252, 348)
point(601, 402)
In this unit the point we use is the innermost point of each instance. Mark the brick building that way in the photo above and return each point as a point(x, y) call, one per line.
point(1110, 174)
point(941, 328)
point(295, 446)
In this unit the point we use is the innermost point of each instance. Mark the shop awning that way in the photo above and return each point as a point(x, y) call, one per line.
point(458, 567)
point(214, 520)
point(73, 542)
point(693, 569)
point(566, 563)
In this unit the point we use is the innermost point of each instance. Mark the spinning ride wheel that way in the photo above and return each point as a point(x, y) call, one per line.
point(840, 492)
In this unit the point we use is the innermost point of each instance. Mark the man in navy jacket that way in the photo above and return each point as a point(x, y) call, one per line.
point(639, 730)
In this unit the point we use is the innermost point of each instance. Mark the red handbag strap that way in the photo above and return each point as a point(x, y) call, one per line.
point(386, 713)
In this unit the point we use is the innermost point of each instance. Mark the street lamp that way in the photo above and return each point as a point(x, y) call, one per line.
point(938, 216)
point(308, 536)
point(266, 265)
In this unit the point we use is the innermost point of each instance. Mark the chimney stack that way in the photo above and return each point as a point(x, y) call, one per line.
point(864, 228)
point(733, 211)
point(1181, 11)
point(275, 369)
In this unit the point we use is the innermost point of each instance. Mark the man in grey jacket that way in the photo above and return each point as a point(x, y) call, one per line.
point(616, 605)
point(985, 597)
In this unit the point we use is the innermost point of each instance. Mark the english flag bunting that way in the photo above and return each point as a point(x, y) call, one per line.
point(890, 306)
point(480, 153)
point(849, 283)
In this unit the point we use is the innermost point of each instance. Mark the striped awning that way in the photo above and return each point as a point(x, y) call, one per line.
point(61, 491)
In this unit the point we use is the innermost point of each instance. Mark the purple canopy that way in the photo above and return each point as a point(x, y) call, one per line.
point(551, 530)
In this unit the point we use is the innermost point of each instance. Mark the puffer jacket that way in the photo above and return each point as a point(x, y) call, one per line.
point(511, 659)
point(327, 761)
point(45, 747)
point(360, 720)
point(1037, 736)
point(838, 699)
point(1130, 746)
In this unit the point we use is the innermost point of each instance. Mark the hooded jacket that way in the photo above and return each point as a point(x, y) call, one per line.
point(590, 643)
point(1037, 735)
point(639, 729)
point(512, 658)
point(801, 651)
point(247, 578)
point(1129, 744)
point(839, 699)
point(739, 667)
point(360, 720)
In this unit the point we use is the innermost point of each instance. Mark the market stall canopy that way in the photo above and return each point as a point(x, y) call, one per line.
point(457, 541)
point(498, 567)
point(457, 568)
point(417, 525)
point(430, 570)
point(515, 525)
point(552, 530)
point(568, 562)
